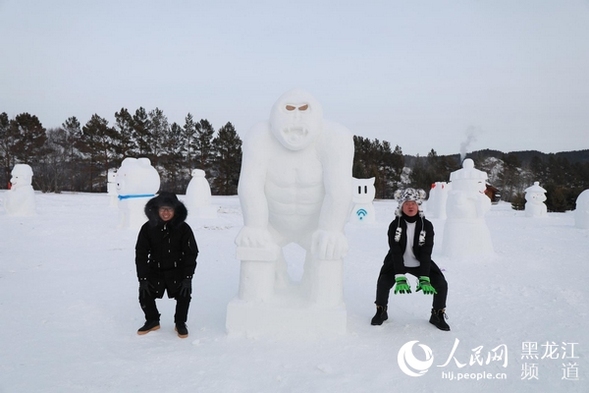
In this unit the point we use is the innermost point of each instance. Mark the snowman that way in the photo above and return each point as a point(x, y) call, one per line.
point(198, 196)
point(466, 232)
point(535, 197)
point(436, 203)
point(20, 199)
point(582, 210)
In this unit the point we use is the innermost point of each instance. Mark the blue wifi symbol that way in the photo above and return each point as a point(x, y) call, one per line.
point(361, 213)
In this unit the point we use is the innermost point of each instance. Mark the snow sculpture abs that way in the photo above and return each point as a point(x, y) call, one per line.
point(295, 186)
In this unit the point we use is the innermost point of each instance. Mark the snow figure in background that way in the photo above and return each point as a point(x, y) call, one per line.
point(436, 203)
point(582, 210)
point(295, 187)
point(111, 187)
point(137, 182)
point(535, 197)
point(466, 232)
point(198, 196)
point(20, 199)
point(363, 192)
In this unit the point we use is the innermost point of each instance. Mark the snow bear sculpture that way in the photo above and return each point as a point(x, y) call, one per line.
point(20, 199)
point(295, 187)
point(535, 197)
point(137, 181)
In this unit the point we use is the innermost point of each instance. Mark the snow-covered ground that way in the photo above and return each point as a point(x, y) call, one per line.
point(69, 312)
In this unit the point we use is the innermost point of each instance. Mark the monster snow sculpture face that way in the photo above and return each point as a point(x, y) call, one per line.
point(296, 119)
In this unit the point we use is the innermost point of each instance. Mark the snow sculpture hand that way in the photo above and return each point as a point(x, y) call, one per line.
point(401, 284)
point(425, 286)
point(254, 237)
point(329, 244)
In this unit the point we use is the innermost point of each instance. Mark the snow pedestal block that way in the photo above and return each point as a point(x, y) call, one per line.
point(266, 308)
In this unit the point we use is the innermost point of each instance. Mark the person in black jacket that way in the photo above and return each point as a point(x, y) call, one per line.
point(165, 257)
point(411, 241)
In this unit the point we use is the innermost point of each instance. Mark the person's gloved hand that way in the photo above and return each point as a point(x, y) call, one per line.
point(186, 287)
point(145, 288)
point(425, 286)
point(401, 284)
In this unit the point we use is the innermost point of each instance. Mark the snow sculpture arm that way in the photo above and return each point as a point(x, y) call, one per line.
point(336, 152)
point(251, 191)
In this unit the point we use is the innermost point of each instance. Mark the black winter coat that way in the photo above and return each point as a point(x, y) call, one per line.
point(165, 252)
point(423, 252)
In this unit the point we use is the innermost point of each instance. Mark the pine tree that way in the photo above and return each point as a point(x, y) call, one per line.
point(29, 138)
point(125, 143)
point(204, 145)
point(227, 147)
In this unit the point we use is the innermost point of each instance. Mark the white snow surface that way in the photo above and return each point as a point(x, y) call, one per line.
point(69, 312)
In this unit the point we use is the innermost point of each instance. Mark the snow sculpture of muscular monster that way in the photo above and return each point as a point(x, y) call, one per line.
point(295, 186)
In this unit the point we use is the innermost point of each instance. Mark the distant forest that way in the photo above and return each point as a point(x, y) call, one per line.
point(76, 157)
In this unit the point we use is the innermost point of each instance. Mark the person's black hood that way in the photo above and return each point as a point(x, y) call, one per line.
point(165, 199)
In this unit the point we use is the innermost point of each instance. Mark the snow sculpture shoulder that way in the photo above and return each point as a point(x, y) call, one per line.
point(295, 187)
point(137, 181)
point(363, 192)
point(582, 210)
point(466, 232)
point(20, 199)
point(198, 196)
point(535, 197)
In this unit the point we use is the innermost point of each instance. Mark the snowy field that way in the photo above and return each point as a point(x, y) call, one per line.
point(69, 312)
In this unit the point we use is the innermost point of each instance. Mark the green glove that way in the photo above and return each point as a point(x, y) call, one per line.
point(425, 285)
point(402, 286)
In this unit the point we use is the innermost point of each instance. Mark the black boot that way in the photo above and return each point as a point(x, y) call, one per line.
point(380, 316)
point(181, 329)
point(148, 327)
point(438, 319)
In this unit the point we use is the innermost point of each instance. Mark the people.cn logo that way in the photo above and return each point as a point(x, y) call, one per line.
point(410, 364)
point(361, 213)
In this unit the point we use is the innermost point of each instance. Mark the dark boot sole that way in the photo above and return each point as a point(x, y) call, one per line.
point(181, 335)
point(141, 333)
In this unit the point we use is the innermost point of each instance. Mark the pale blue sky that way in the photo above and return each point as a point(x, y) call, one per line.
point(421, 74)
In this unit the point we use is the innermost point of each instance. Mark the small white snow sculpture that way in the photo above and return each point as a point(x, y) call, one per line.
point(582, 210)
point(111, 187)
point(363, 192)
point(466, 232)
point(436, 203)
point(198, 196)
point(535, 197)
point(295, 187)
point(137, 182)
point(20, 199)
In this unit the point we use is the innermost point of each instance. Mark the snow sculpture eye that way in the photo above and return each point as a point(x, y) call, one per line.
point(304, 107)
point(290, 108)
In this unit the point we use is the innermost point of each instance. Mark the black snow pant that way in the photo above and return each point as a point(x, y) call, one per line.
point(152, 314)
point(386, 281)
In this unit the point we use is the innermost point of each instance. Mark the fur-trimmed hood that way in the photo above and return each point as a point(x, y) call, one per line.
point(165, 199)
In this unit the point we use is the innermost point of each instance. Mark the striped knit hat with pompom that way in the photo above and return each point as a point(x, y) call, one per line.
point(409, 194)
